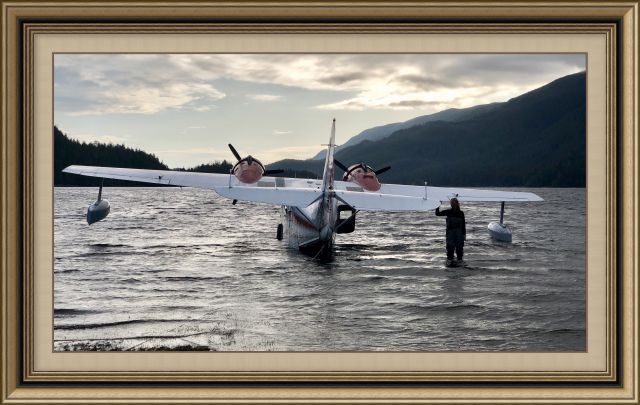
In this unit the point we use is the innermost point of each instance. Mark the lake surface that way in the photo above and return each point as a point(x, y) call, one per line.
point(183, 269)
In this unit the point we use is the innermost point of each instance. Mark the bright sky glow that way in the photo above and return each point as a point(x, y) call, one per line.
point(186, 108)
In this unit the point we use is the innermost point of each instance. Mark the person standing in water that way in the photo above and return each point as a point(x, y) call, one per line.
point(456, 231)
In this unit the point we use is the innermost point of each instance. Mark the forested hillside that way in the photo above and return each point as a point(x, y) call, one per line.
point(72, 152)
point(535, 140)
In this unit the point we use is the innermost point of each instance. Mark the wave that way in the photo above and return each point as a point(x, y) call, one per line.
point(107, 245)
point(560, 331)
point(74, 311)
point(442, 307)
point(193, 278)
point(116, 323)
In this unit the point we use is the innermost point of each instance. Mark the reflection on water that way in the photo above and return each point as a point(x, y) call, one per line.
point(183, 269)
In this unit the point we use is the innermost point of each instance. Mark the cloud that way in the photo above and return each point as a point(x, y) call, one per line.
point(438, 99)
point(126, 84)
point(147, 84)
point(412, 103)
point(341, 79)
point(423, 82)
point(203, 108)
point(265, 97)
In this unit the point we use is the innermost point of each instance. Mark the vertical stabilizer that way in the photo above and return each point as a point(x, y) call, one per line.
point(328, 176)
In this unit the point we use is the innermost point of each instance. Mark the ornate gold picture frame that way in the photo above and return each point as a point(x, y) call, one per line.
point(606, 32)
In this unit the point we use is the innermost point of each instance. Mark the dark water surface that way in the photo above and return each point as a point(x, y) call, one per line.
point(183, 269)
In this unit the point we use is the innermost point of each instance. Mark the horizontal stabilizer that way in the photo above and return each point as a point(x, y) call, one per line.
point(386, 202)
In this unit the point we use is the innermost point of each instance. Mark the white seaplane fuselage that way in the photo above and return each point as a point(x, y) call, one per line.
point(312, 228)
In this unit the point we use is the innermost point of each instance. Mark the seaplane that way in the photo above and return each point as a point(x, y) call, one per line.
point(313, 211)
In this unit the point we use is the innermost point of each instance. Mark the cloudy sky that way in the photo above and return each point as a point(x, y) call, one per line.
point(185, 108)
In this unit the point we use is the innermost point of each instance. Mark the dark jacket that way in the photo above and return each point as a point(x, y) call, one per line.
point(456, 226)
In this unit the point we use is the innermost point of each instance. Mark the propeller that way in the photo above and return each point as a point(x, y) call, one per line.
point(235, 152)
point(250, 159)
point(340, 165)
point(345, 169)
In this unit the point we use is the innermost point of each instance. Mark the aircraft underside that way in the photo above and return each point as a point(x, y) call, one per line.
point(310, 229)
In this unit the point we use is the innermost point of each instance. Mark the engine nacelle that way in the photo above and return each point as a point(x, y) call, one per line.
point(362, 175)
point(98, 211)
point(248, 170)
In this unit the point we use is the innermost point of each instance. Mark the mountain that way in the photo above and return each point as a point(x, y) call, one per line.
point(535, 140)
point(383, 131)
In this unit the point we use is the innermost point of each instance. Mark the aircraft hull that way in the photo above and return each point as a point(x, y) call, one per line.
point(311, 230)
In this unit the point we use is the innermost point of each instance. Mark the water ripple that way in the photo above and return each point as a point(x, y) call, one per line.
point(182, 269)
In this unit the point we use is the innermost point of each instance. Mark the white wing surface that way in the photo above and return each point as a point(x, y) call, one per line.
point(279, 196)
point(444, 193)
point(187, 179)
point(268, 190)
point(166, 177)
point(386, 202)
point(296, 192)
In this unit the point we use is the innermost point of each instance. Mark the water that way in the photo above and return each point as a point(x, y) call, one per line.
point(183, 269)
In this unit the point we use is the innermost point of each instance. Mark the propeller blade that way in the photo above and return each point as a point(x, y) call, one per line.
point(273, 171)
point(384, 169)
point(340, 165)
point(235, 152)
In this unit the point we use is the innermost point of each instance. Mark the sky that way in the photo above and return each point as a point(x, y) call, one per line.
point(186, 108)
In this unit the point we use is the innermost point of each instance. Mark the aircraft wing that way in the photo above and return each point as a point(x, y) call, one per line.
point(444, 193)
point(386, 202)
point(166, 177)
point(267, 190)
point(281, 196)
point(300, 192)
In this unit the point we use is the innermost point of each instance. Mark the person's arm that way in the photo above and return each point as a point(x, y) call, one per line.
point(441, 213)
point(464, 228)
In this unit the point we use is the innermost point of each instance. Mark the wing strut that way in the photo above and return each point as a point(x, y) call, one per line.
point(99, 209)
point(500, 231)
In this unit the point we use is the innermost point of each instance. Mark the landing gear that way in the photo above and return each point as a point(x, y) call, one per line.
point(279, 232)
point(500, 231)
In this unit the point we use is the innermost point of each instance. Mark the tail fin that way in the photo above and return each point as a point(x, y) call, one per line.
point(327, 177)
